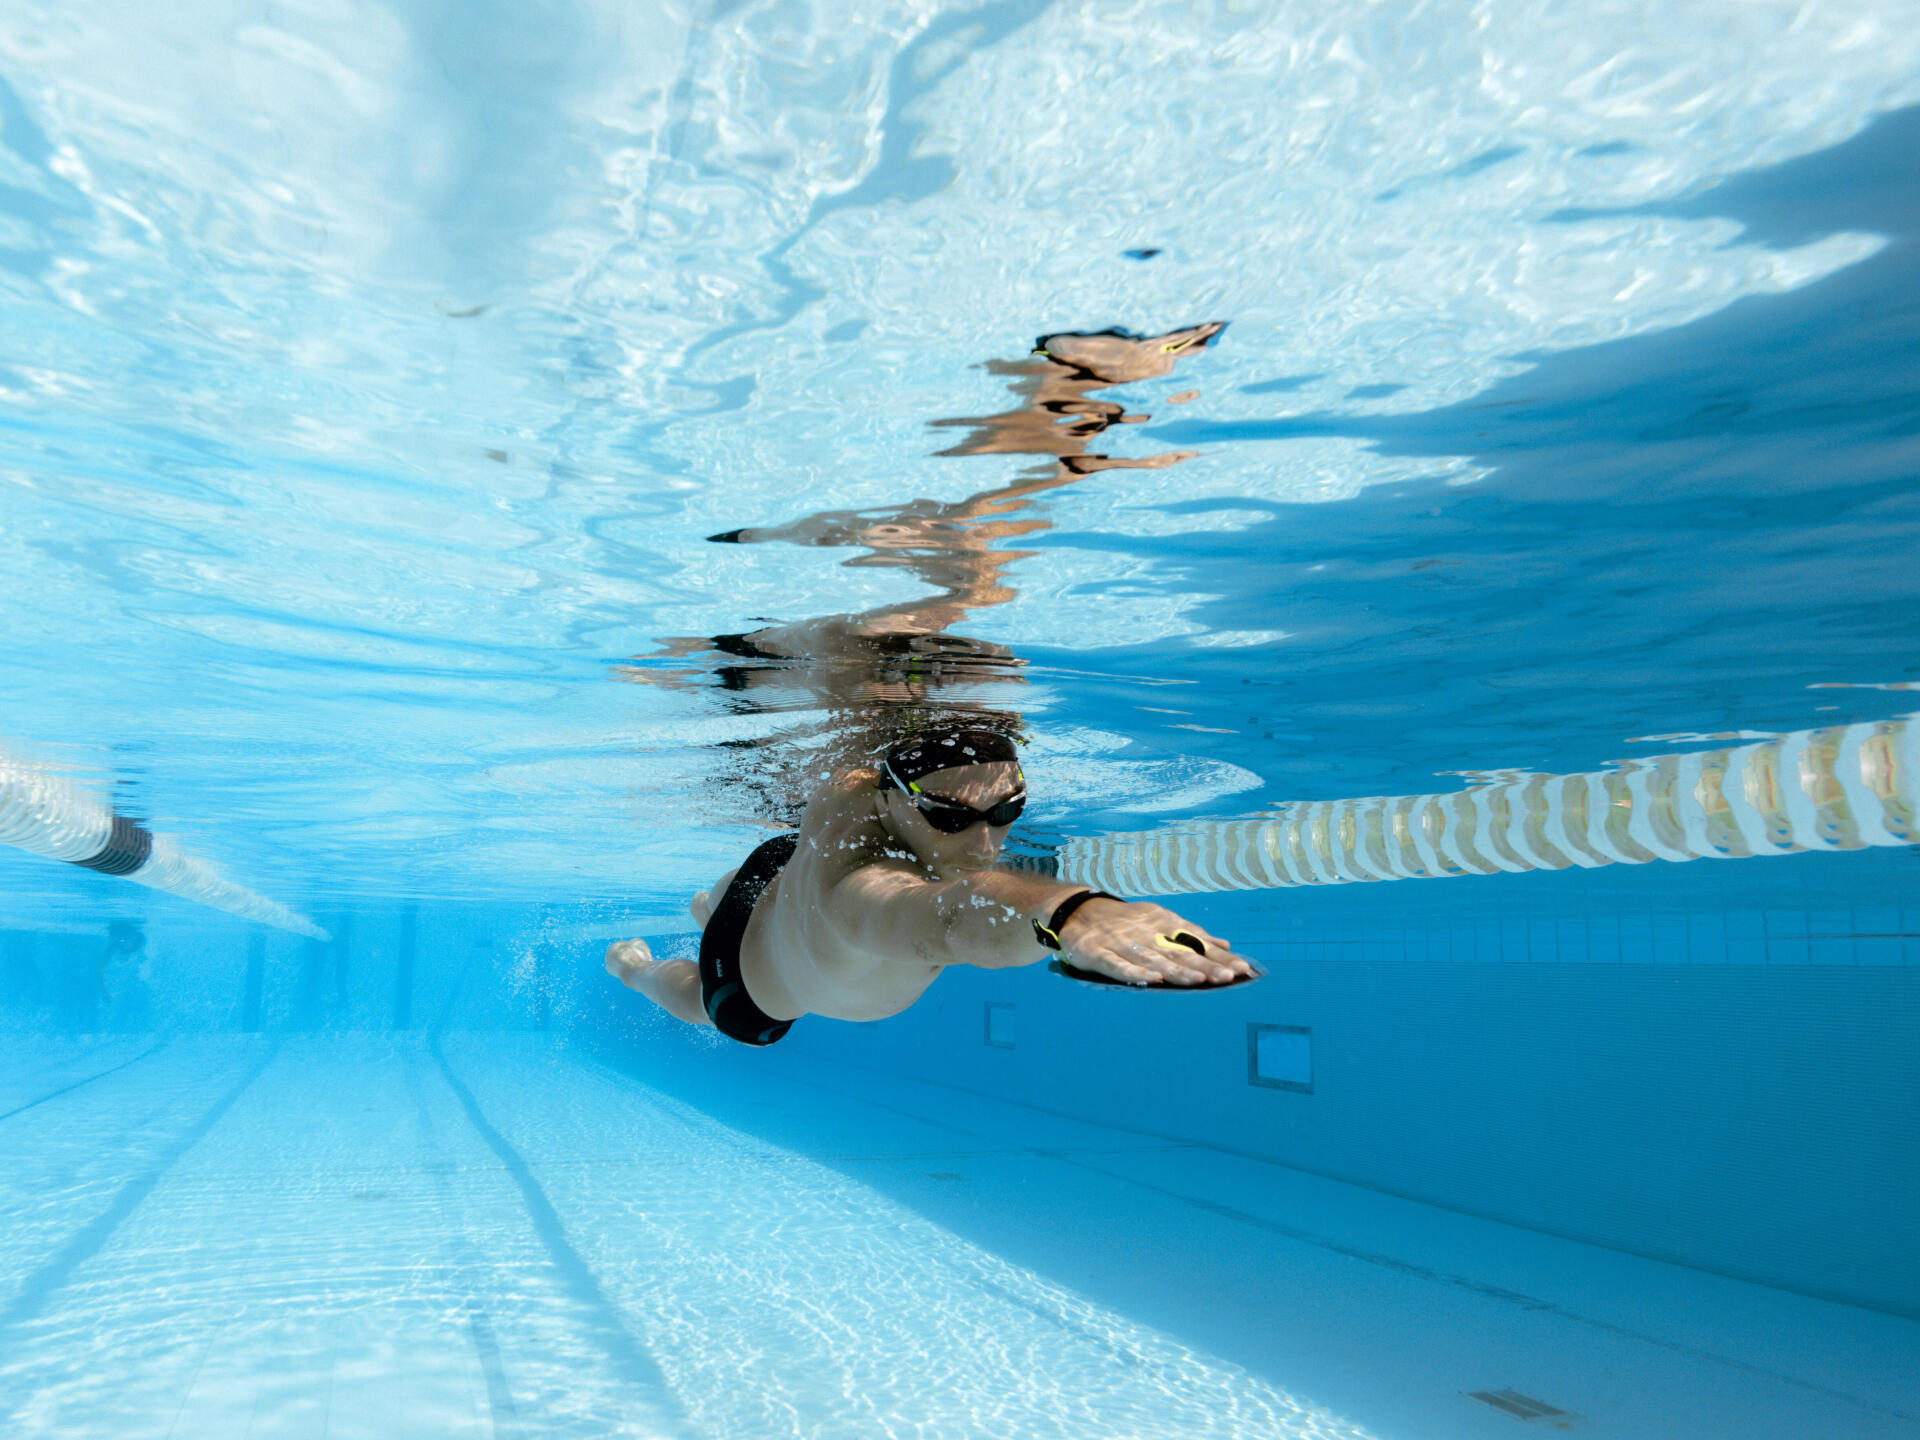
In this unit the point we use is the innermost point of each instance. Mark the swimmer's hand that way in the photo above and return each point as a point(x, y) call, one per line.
point(626, 958)
point(1131, 941)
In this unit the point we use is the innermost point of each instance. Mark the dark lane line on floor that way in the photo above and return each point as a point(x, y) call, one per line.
point(38, 1069)
point(501, 1411)
point(101, 1152)
point(576, 1277)
point(88, 1241)
point(466, 1264)
point(1494, 1292)
point(97, 1075)
point(1409, 1268)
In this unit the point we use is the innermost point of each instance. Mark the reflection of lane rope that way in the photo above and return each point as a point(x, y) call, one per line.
point(1834, 789)
point(49, 815)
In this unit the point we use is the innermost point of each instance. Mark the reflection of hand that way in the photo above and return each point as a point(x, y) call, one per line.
point(1131, 941)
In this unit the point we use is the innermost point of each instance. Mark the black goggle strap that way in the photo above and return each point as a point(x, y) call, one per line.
point(1049, 934)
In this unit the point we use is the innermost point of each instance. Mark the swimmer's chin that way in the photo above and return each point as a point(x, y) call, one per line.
point(954, 869)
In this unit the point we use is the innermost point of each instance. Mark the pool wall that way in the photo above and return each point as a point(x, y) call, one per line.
point(1708, 1064)
point(1734, 1089)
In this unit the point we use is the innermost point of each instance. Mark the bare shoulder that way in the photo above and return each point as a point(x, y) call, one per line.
point(855, 876)
point(848, 791)
point(843, 806)
point(842, 838)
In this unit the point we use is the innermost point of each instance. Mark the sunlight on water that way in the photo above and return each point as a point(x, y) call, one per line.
point(774, 1295)
point(470, 472)
point(388, 368)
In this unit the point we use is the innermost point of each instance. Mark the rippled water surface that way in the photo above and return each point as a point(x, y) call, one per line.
point(375, 376)
point(467, 470)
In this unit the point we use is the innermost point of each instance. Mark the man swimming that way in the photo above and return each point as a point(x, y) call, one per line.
point(890, 880)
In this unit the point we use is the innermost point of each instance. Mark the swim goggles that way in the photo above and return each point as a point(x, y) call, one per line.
point(950, 817)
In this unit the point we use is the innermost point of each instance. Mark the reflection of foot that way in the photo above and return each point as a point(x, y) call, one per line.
point(625, 957)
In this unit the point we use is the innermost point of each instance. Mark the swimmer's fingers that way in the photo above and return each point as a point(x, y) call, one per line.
point(1178, 964)
point(1122, 950)
point(1238, 967)
point(1161, 964)
point(1138, 937)
point(1222, 965)
point(1223, 959)
point(1115, 964)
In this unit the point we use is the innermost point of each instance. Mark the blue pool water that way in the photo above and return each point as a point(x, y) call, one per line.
point(466, 473)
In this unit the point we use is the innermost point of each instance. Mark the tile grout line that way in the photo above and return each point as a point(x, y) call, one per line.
point(1403, 1266)
point(92, 1237)
point(577, 1277)
point(99, 1075)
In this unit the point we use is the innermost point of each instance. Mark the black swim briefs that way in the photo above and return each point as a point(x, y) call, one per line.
point(723, 993)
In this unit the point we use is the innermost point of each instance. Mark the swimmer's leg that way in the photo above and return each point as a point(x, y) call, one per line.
point(673, 985)
point(701, 906)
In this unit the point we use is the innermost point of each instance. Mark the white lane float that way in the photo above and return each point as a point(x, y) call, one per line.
point(47, 814)
point(1842, 788)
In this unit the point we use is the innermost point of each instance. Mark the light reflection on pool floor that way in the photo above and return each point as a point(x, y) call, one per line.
point(489, 1235)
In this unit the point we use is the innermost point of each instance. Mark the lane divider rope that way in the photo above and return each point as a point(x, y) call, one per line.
point(1841, 788)
point(47, 814)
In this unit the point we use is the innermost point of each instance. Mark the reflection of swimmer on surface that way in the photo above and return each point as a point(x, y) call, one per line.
point(906, 654)
point(890, 880)
point(1058, 419)
point(955, 549)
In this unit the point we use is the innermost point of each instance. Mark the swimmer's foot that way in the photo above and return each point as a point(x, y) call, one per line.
point(701, 906)
point(627, 959)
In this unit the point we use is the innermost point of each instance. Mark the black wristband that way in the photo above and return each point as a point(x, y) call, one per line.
point(1049, 934)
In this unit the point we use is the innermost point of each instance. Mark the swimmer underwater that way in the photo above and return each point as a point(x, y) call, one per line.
point(889, 881)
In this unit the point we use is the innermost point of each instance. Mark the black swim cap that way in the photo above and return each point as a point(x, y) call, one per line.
point(942, 750)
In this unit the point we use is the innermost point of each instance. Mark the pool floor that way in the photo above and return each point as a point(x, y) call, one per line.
point(494, 1234)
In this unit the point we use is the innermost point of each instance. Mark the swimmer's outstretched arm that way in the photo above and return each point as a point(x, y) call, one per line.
point(986, 919)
